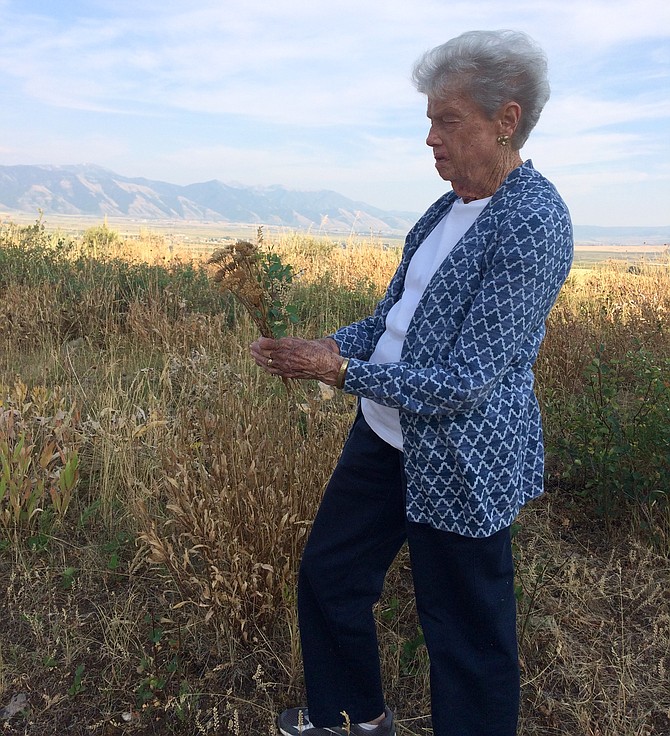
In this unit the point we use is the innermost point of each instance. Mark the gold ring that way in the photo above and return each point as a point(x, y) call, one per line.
point(269, 361)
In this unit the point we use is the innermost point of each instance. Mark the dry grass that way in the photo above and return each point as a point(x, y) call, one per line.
point(348, 264)
point(162, 599)
point(615, 306)
point(596, 637)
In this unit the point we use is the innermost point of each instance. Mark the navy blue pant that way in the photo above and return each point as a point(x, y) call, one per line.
point(464, 593)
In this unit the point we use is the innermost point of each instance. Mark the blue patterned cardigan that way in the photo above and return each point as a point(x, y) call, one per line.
point(472, 431)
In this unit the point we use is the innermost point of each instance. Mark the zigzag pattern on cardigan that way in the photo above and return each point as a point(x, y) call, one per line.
point(471, 424)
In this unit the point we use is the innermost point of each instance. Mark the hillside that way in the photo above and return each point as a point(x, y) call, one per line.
point(91, 190)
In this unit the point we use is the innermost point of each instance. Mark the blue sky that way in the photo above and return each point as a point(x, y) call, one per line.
point(317, 95)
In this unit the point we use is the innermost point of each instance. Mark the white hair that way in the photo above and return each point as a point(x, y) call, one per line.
point(492, 68)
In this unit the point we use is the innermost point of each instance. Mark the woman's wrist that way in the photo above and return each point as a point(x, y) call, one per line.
point(342, 374)
point(329, 343)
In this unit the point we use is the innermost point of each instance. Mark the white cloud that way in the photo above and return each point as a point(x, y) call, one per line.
point(593, 150)
point(28, 148)
point(571, 114)
point(606, 23)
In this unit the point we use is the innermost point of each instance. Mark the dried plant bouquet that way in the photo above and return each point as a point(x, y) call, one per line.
point(259, 281)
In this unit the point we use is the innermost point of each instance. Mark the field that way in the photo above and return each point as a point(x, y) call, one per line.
point(156, 490)
point(192, 238)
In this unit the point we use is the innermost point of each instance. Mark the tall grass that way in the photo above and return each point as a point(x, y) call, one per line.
point(160, 597)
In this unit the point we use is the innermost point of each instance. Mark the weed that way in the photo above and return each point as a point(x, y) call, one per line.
point(77, 682)
point(38, 458)
point(159, 667)
point(68, 576)
point(115, 549)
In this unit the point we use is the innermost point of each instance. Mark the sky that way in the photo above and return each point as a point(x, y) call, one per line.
point(314, 95)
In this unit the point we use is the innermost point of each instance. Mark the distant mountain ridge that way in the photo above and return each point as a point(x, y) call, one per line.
point(92, 190)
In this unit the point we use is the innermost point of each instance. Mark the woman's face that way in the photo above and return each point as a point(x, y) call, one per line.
point(464, 142)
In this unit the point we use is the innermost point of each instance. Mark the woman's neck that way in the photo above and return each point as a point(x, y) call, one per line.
point(486, 187)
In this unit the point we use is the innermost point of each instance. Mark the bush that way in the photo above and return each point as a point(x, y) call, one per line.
point(614, 443)
point(99, 239)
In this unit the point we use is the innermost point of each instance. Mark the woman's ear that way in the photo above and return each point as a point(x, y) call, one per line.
point(510, 115)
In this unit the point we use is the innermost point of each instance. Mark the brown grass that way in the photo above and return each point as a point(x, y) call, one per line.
point(163, 600)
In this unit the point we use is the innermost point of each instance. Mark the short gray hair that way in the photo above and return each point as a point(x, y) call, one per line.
point(493, 68)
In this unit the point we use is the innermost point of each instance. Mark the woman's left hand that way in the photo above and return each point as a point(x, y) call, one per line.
point(293, 357)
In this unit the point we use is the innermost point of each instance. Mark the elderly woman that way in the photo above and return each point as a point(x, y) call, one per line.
point(447, 444)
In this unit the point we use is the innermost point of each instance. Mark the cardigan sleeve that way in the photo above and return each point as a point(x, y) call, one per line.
point(358, 340)
point(531, 259)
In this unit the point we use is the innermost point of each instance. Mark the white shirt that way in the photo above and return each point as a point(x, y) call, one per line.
point(385, 420)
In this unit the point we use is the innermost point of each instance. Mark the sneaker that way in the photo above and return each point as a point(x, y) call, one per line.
point(295, 722)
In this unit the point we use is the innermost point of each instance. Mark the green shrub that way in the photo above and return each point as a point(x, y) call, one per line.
point(613, 443)
point(97, 240)
point(30, 255)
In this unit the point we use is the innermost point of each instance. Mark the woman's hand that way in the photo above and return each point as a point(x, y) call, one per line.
point(293, 357)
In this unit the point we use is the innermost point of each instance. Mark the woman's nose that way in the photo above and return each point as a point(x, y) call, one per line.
point(433, 139)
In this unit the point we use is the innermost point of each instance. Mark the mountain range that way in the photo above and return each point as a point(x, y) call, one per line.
point(92, 191)
point(88, 190)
